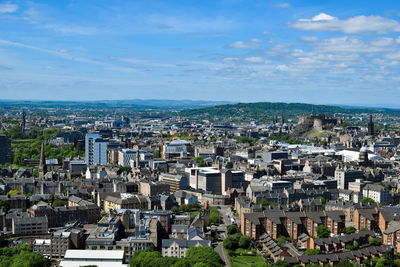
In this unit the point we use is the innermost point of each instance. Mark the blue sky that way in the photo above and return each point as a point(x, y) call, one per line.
point(330, 52)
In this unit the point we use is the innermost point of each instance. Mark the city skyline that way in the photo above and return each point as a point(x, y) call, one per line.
point(239, 51)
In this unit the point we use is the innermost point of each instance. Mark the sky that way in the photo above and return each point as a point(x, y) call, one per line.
point(322, 52)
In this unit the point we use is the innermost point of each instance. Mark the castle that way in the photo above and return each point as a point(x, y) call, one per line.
point(319, 122)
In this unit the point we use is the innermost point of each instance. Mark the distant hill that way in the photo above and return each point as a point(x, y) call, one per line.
point(263, 110)
point(136, 104)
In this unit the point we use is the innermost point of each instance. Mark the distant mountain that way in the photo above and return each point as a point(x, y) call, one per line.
point(262, 110)
point(136, 104)
point(171, 104)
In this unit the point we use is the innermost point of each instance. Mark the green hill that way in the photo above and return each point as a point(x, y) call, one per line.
point(263, 111)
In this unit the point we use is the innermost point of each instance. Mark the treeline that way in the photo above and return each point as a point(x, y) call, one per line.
point(28, 145)
point(22, 256)
point(195, 256)
point(265, 110)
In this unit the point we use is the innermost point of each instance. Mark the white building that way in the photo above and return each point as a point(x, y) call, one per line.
point(378, 193)
point(344, 177)
point(178, 248)
point(175, 149)
point(205, 178)
point(99, 258)
point(95, 150)
point(126, 155)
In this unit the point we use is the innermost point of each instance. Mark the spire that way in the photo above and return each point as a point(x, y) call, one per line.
point(42, 163)
point(370, 126)
point(23, 120)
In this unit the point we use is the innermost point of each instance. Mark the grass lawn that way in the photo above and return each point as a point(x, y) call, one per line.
point(193, 214)
point(244, 261)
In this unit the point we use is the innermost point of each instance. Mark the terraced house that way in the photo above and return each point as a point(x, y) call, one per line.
point(292, 224)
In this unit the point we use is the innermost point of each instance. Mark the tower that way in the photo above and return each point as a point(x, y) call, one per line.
point(137, 159)
point(42, 163)
point(370, 126)
point(282, 119)
point(23, 120)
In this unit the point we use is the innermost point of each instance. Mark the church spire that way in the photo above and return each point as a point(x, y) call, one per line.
point(370, 126)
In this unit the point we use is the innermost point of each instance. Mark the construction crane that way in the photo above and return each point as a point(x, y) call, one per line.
point(179, 118)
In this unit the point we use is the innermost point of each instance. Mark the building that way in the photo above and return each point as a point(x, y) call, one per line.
point(125, 201)
point(100, 258)
point(29, 226)
point(59, 216)
point(344, 177)
point(5, 149)
point(59, 242)
point(95, 150)
point(272, 155)
point(126, 155)
point(175, 149)
point(366, 216)
point(150, 188)
point(378, 193)
point(280, 223)
point(371, 129)
point(205, 178)
point(279, 185)
point(178, 248)
point(176, 182)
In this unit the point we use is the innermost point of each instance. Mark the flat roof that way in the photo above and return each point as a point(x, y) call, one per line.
point(94, 254)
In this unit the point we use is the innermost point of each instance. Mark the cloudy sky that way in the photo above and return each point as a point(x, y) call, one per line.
point(330, 52)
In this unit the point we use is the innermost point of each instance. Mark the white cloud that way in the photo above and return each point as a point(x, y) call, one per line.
point(353, 25)
point(182, 23)
point(320, 17)
point(230, 59)
point(72, 29)
point(282, 5)
point(352, 45)
point(255, 40)
point(253, 43)
point(8, 8)
point(254, 59)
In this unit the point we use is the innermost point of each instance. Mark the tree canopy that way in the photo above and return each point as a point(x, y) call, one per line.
point(323, 231)
point(195, 256)
point(21, 256)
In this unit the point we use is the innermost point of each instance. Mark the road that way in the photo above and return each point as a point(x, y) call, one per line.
point(221, 251)
point(226, 214)
point(292, 250)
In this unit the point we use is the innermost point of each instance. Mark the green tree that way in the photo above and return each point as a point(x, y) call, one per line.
point(214, 216)
point(206, 255)
point(349, 230)
point(29, 259)
point(156, 154)
point(14, 192)
point(244, 242)
point(323, 231)
point(281, 240)
point(228, 244)
point(310, 251)
point(59, 203)
point(232, 229)
point(345, 263)
point(51, 199)
point(148, 258)
point(323, 201)
point(281, 263)
point(366, 200)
